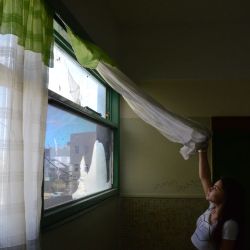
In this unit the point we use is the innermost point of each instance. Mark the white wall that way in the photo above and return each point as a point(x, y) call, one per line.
point(151, 165)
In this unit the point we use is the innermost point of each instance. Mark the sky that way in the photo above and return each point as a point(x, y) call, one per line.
point(61, 124)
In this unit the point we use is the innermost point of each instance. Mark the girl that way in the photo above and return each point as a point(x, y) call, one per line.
point(219, 227)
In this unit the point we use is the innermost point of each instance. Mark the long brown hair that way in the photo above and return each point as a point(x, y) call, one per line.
point(233, 209)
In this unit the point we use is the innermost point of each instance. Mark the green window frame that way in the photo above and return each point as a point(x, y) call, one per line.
point(56, 215)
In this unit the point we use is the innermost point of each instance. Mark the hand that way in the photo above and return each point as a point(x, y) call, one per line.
point(202, 147)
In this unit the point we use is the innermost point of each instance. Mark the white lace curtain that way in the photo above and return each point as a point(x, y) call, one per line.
point(23, 105)
point(26, 39)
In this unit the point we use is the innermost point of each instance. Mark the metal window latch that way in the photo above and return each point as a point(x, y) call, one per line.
point(107, 115)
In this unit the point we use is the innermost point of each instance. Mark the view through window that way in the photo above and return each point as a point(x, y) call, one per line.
point(78, 157)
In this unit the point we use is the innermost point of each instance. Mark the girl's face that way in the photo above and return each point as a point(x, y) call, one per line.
point(216, 193)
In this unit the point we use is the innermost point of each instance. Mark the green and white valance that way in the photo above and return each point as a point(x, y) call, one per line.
point(32, 22)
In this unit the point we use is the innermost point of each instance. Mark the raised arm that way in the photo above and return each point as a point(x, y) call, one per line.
point(204, 171)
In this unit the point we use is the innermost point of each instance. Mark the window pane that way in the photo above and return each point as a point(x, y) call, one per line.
point(78, 157)
point(75, 83)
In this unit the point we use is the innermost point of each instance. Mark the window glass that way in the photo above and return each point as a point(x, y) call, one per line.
point(78, 157)
point(68, 79)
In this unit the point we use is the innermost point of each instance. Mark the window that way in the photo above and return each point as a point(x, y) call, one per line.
point(75, 83)
point(81, 144)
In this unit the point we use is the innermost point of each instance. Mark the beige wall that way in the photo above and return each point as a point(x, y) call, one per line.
point(150, 164)
point(186, 51)
point(96, 229)
point(195, 69)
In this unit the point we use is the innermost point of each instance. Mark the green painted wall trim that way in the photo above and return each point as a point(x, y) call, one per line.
point(115, 112)
point(62, 12)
